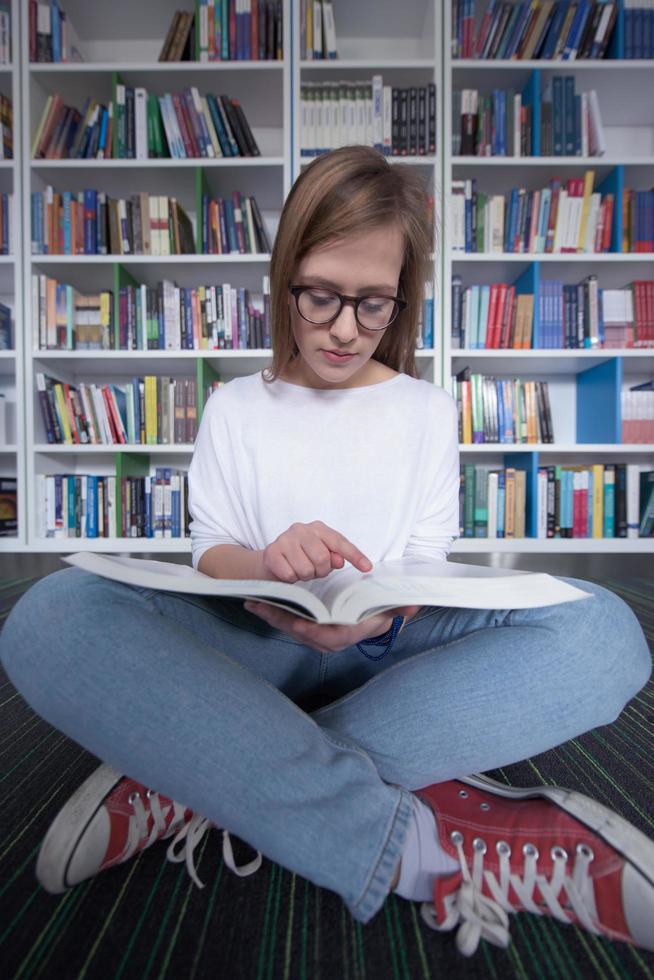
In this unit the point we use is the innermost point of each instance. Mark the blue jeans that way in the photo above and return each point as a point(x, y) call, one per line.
point(309, 757)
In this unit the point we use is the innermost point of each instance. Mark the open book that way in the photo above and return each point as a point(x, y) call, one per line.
point(346, 595)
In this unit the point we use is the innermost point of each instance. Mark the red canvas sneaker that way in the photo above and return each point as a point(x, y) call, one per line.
point(542, 849)
point(108, 820)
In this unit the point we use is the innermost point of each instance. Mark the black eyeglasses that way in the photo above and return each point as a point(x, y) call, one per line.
point(319, 305)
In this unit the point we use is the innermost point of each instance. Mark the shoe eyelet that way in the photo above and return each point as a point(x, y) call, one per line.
point(503, 848)
point(479, 845)
point(530, 850)
point(456, 837)
point(585, 851)
point(133, 797)
point(150, 793)
point(484, 806)
point(463, 793)
point(559, 853)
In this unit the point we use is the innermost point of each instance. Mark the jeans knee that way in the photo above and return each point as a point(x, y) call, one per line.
point(41, 625)
point(615, 644)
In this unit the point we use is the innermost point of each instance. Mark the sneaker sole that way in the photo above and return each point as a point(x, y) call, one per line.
point(70, 823)
point(630, 842)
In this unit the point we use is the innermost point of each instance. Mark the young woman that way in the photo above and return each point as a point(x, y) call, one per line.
point(343, 753)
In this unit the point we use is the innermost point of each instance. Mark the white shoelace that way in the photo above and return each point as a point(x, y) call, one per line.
point(189, 833)
point(481, 917)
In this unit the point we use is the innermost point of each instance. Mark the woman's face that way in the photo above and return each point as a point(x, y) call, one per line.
point(369, 263)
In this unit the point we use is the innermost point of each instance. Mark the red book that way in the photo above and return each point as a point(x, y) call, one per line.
point(254, 33)
point(71, 414)
point(492, 313)
point(608, 223)
point(500, 313)
point(190, 147)
point(116, 432)
point(578, 530)
point(551, 223)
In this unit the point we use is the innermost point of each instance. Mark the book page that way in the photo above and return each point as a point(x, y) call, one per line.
point(171, 577)
point(408, 582)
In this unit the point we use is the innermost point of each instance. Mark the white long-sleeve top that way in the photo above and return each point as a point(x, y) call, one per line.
point(379, 464)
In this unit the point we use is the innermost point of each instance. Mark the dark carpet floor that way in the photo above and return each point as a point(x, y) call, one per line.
point(147, 919)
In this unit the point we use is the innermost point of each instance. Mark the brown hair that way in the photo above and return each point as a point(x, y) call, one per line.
point(344, 192)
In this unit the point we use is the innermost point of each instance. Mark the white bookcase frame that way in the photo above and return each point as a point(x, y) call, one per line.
point(408, 44)
point(13, 452)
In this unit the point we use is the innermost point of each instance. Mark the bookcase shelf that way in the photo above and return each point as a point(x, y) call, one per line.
point(408, 44)
point(585, 385)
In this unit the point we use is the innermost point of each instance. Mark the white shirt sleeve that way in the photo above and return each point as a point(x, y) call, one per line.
point(438, 524)
point(211, 485)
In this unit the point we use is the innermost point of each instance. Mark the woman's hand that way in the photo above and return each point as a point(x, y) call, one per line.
point(308, 551)
point(327, 639)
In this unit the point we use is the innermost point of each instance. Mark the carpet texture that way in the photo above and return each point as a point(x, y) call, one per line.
point(147, 919)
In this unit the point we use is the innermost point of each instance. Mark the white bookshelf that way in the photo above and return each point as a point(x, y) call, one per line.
point(402, 43)
point(408, 44)
point(12, 450)
point(136, 33)
point(627, 109)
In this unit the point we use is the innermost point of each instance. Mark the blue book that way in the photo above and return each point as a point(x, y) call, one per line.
point(67, 200)
point(90, 222)
point(557, 116)
point(569, 115)
point(55, 26)
point(556, 24)
point(428, 322)
point(242, 316)
point(609, 501)
point(92, 506)
point(175, 510)
point(71, 500)
point(521, 12)
point(511, 223)
point(482, 319)
point(584, 8)
point(147, 502)
point(501, 502)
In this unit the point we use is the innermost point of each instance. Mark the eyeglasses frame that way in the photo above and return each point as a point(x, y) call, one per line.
point(355, 301)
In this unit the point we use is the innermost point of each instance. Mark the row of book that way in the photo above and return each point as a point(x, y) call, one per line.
point(51, 34)
point(638, 221)
point(90, 222)
point(546, 29)
point(569, 316)
point(317, 30)
point(638, 29)
point(396, 121)
point(169, 317)
point(637, 414)
point(165, 317)
point(610, 500)
point(492, 503)
point(628, 315)
point(218, 30)
point(240, 30)
point(603, 500)
point(138, 125)
point(73, 505)
point(151, 410)
point(8, 506)
point(501, 123)
point(562, 217)
point(232, 226)
point(502, 410)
